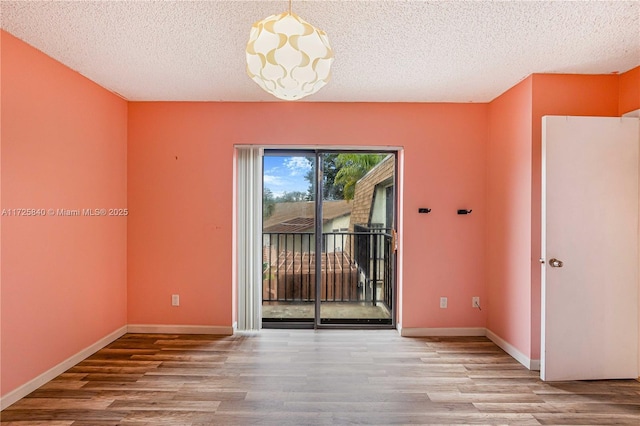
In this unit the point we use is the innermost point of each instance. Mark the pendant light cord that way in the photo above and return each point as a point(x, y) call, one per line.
point(290, 6)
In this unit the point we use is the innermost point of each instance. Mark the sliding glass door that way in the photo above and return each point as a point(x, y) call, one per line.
point(357, 278)
point(328, 239)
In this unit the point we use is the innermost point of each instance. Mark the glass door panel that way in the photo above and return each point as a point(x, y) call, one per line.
point(288, 240)
point(356, 275)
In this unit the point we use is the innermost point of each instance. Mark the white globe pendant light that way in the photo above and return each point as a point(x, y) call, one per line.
point(288, 57)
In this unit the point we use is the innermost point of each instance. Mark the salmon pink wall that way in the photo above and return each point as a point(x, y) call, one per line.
point(179, 235)
point(180, 192)
point(558, 94)
point(63, 279)
point(514, 191)
point(509, 216)
point(629, 91)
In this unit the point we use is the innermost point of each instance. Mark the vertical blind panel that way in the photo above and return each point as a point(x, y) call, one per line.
point(249, 245)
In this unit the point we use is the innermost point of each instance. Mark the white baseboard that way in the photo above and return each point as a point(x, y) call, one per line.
point(534, 364)
point(442, 332)
point(180, 329)
point(531, 364)
point(24, 390)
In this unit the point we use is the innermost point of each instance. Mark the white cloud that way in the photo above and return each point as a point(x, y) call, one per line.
point(273, 180)
point(285, 174)
point(298, 166)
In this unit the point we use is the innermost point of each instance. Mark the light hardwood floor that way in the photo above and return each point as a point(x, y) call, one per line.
point(306, 377)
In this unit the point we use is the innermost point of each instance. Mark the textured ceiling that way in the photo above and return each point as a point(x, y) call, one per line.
point(407, 51)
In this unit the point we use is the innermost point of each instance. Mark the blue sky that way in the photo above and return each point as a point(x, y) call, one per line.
point(285, 174)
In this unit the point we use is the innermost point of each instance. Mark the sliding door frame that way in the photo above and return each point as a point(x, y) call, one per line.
point(318, 229)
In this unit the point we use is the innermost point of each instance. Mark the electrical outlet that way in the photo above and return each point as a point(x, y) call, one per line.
point(175, 300)
point(443, 302)
point(475, 302)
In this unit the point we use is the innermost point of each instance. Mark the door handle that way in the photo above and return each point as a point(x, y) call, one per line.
point(555, 263)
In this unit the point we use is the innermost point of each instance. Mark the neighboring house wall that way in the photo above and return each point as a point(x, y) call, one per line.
point(303, 242)
point(379, 208)
point(336, 243)
point(63, 279)
point(365, 188)
point(338, 224)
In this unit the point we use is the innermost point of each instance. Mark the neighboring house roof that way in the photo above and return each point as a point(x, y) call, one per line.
point(297, 224)
point(299, 216)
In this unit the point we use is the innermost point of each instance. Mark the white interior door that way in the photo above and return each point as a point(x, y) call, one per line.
point(590, 225)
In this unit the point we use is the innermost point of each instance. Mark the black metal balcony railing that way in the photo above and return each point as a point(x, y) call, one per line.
point(355, 267)
point(374, 252)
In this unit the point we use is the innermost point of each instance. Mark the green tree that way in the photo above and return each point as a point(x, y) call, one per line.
point(268, 203)
point(340, 172)
point(330, 190)
point(292, 196)
point(351, 168)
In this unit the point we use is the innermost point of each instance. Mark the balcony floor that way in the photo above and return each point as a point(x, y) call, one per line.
point(332, 310)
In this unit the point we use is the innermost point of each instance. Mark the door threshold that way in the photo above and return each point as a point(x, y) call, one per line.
point(288, 325)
